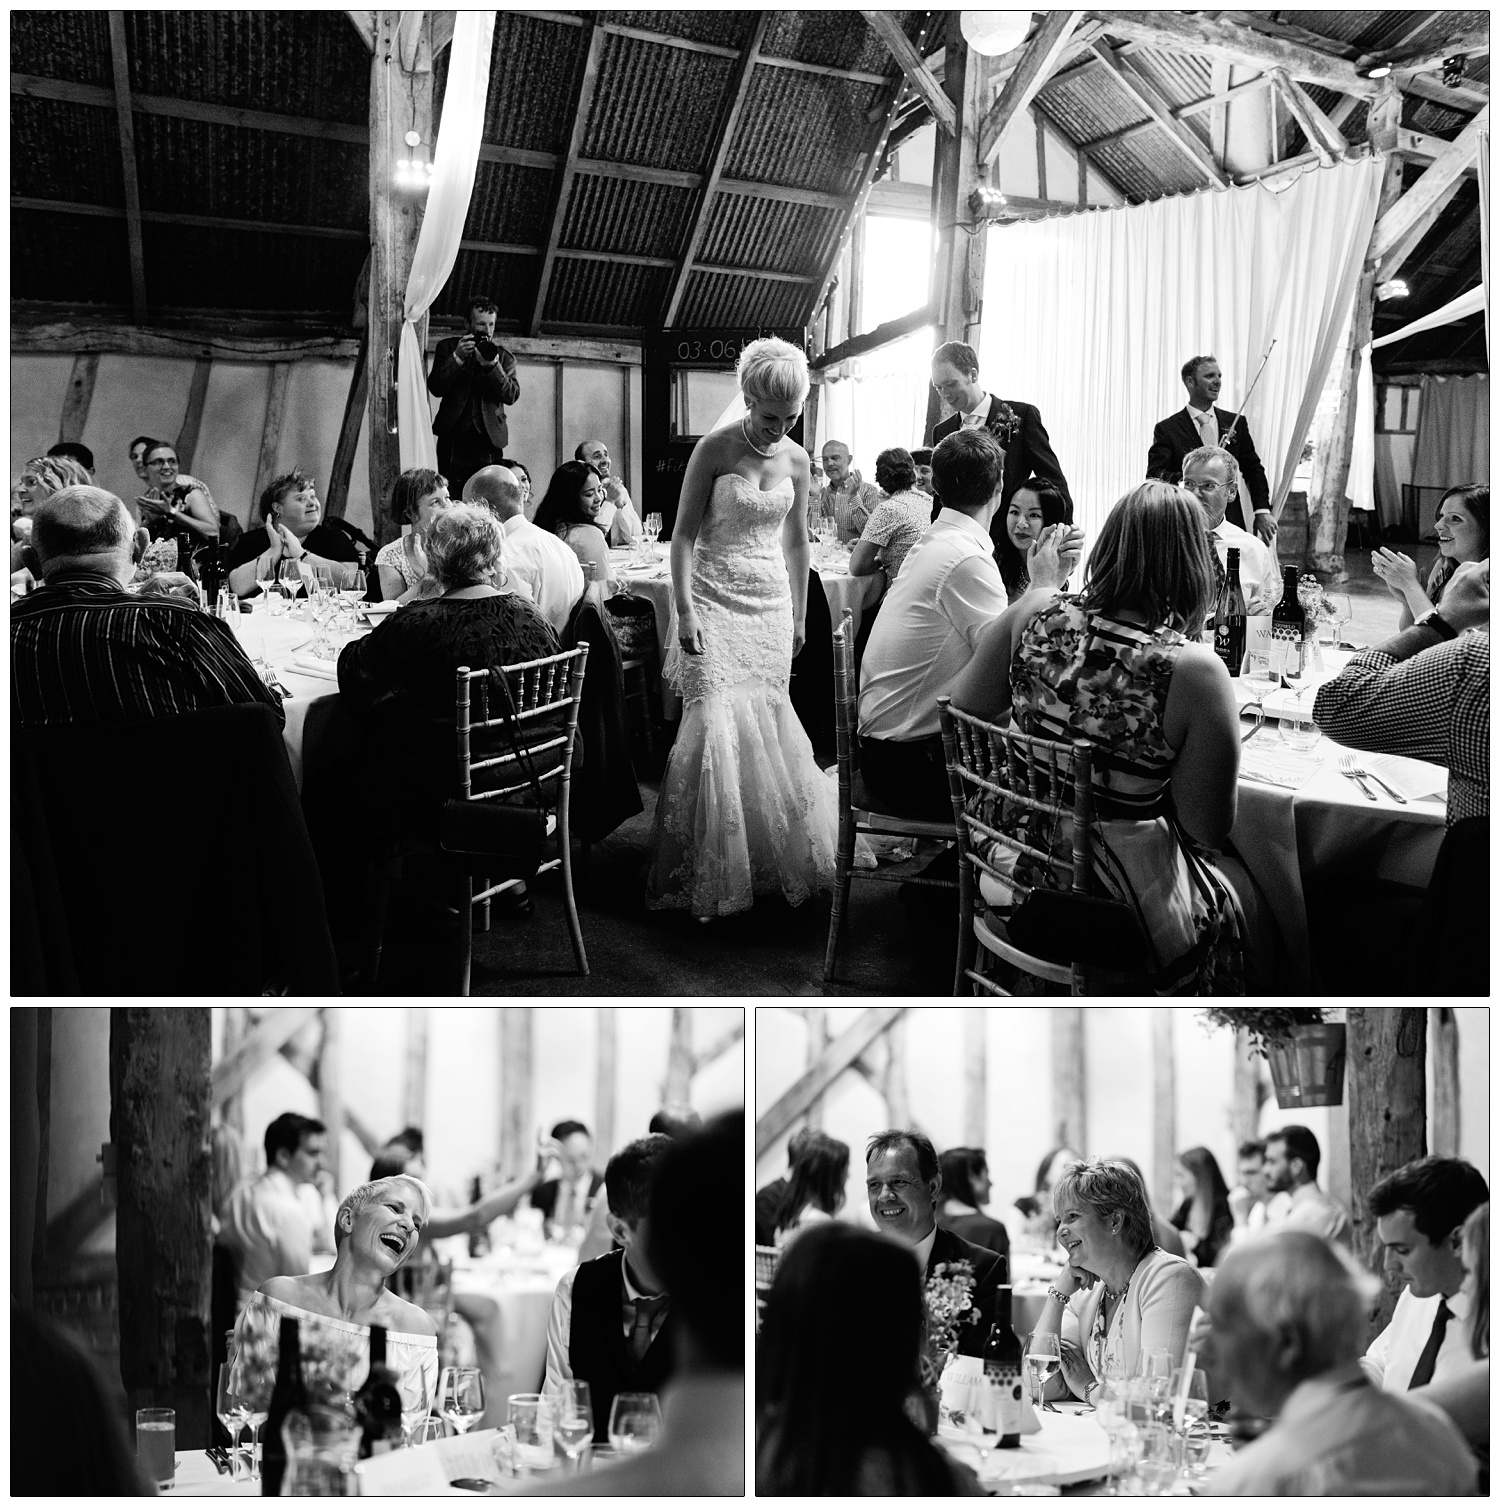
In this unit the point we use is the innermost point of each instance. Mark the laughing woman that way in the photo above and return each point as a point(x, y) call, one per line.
point(376, 1229)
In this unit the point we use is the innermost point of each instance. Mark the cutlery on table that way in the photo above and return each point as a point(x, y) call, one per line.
point(1349, 766)
point(219, 1458)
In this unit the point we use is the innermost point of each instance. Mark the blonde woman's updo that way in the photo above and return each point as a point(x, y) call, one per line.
point(772, 371)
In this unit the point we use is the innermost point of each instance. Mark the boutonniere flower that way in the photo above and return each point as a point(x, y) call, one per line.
point(1004, 422)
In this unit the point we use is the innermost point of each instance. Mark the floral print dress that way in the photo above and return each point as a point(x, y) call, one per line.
point(1077, 674)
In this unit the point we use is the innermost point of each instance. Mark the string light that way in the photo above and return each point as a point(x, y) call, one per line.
point(414, 172)
point(1395, 288)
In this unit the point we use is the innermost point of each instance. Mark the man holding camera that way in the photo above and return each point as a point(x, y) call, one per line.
point(475, 377)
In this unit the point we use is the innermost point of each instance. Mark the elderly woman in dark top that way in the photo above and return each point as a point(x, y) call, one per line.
point(966, 1189)
point(292, 529)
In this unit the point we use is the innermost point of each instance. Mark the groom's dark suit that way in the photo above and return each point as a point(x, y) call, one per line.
point(1177, 436)
point(990, 1271)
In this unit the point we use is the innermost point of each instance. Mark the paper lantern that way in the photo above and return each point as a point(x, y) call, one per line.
point(992, 32)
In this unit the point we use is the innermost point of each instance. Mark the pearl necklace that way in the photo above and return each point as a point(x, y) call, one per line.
point(745, 430)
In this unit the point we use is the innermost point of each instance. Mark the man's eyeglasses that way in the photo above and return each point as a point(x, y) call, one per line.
point(1198, 488)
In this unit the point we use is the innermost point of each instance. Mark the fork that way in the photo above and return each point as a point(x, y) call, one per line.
point(1353, 766)
point(1349, 766)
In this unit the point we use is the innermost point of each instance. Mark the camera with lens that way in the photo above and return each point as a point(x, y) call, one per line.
point(485, 348)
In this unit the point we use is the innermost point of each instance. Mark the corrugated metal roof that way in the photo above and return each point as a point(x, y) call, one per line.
point(1147, 167)
point(509, 204)
point(64, 151)
point(1178, 77)
point(803, 130)
point(1090, 105)
point(723, 28)
point(768, 235)
point(638, 219)
point(714, 301)
point(214, 269)
point(618, 293)
point(833, 39)
point(70, 44)
point(69, 258)
point(533, 72)
point(655, 106)
point(509, 280)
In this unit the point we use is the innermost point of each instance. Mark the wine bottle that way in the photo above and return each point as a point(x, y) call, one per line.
point(479, 1240)
point(288, 1395)
point(1288, 621)
point(1002, 1369)
point(377, 1404)
point(1229, 618)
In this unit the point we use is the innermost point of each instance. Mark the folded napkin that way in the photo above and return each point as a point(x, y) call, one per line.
point(316, 669)
point(380, 609)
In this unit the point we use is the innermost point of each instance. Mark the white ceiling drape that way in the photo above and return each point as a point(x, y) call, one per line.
point(455, 160)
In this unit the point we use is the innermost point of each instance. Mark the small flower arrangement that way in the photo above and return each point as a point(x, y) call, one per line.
point(1265, 1027)
point(948, 1305)
point(1316, 607)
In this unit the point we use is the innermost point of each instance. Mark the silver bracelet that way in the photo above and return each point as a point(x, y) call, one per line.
point(1052, 1292)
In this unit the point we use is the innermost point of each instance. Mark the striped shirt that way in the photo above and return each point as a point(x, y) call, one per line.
point(85, 651)
point(1433, 705)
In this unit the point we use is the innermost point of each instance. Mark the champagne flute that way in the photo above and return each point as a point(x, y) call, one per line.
point(1156, 1370)
point(634, 1422)
point(233, 1410)
point(575, 1420)
point(461, 1396)
point(1043, 1362)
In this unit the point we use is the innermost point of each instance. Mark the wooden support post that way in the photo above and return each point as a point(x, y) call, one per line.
point(158, 1125)
point(605, 1058)
point(400, 101)
point(1249, 1091)
point(342, 470)
point(1449, 164)
point(1443, 1024)
point(125, 118)
point(30, 1096)
point(192, 419)
point(557, 414)
point(270, 433)
point(679, 1058)
point(1083, 178)
point(856, 296)
point(1069, 1078)
point(236, 1028)
point(1387, 1092)
point(414, 1094)
point(1163, 1108)
point(331, 1088)
point(976, 1076)
point(516, 1130)
point(897, 1099)
point(1041, 155)
point(80, 394)
point(817, 1044)
point(960, 255)
point(1218, 128)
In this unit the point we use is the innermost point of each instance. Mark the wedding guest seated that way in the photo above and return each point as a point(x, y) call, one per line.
point(1037, 1206)
point(171, 509)
point(376, 1230)
point(612, 1323)
point(1419, 1212)
point(966, 1189)
point(1162, 1232)
point(571, 511)
point(676, 1120)
point(523, 476)
point(549, 569)
point(837, 1359)
point(903, 1182)
point(949, 591)
point(1120, 665)
point(74, 451)
point(415, 500)
point(1462, 527)
point(84, 650)
point(1033, 507)
point(565, 1200)
point(1251, 1202)
point(41, 476)
point(1213, 477)
point(1203, 1214)
point(1288, 1310)
point(291, 530)
point(139, 447)
point(768, 1200)
point(896, 522)
point(1120, 1295)
point(846, 500)
point(616, 516)
point(922, 459)
point(817, 1189)
point(1292, 1158)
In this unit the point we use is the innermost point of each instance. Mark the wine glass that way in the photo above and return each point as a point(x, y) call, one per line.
point(461, 1396)
point(1340, 614)
point(1196, 1438)
point(634, 1422)
point(1156, 1371)
point(1043, 1361)
point(233, 1410)
point(265, 578)
point(290, 576)
point(428, 1429)
point(575, 1417)
point(416, 1404)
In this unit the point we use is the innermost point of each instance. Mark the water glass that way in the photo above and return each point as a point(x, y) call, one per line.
point(634, 1422)
point(1298, 730)
point(156, 1445)
point(575, 1419)
point(1156, 1468)
point(532, 1416)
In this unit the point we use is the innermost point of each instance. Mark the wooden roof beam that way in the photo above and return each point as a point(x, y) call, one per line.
point(1043, 54)
point(583, 99)
point(1421, 200)
point(363, 22)
point(125, 117)
point(1468, 41)
point(739, 92)
point(1322, 135)
point(1468, 96)
point(918, 75)
point(884, 334)
point(1401, 250)
point(1157, 107)
point(1182, 112)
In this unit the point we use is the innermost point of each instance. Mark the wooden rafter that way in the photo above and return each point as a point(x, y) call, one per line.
point(1146, 94)
point(1037, 64)
point(1430, 53)
point(125, 117)
point(918, 74)
point(1467, 97)
point(363, 22)
point(1418, 202)
point(192, 418)
point(739, 92)
point(269, 1034)
point(1400, 252)
point(838, 1055)
point(80, 397)
point(342, 469)
point(718, 1046)
point(1322, 135)
point(885, 334)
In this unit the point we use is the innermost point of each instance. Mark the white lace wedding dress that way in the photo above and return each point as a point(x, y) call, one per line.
point(744, 809)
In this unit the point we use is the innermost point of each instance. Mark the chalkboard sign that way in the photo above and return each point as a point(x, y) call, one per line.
point(687, 380)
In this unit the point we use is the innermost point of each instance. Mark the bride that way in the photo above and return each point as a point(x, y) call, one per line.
point(743, 808)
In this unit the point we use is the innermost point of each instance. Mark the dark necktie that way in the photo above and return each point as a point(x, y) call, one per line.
point(1427, 1361)
point(642, 1312)
point(1213, 554)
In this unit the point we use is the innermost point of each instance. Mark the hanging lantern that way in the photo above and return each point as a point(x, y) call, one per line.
point(992, 32)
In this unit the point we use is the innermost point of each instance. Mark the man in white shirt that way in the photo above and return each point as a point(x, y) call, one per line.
point(268, 1225)
point(616, 515)
point(1292, 1158)
point(947, 593)
point(1252, 1203)
point(1287, 1311)
point(1419, 1215)
point(1213, 476)
point(548, 567)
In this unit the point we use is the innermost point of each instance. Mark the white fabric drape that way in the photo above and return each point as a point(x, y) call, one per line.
point(1361, 484)
point(879, 400)
point(1460, 308)
point(455, 160)
point(1091, 316)
point(1484, 227)
point(1453, 432)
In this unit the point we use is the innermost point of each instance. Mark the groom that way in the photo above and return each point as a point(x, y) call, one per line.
point(903, 1183)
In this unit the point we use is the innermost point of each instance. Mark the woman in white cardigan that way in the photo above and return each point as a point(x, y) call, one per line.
point(1120, 1295)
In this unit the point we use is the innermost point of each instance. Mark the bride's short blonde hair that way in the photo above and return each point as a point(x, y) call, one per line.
point(421, 1196)
point(772, 371)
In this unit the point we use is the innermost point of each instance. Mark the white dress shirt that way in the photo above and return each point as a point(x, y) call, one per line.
point(1314, 1211)
point(977, 418)
point(948, 592)
point(1259, 578)
point(617, 517)
point(1395, 1351)
point(267, 1225)
point(923, 1248)
point(560, 1327)
point(548, 567)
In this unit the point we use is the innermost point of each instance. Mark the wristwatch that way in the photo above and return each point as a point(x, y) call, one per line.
point(1438, 623)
